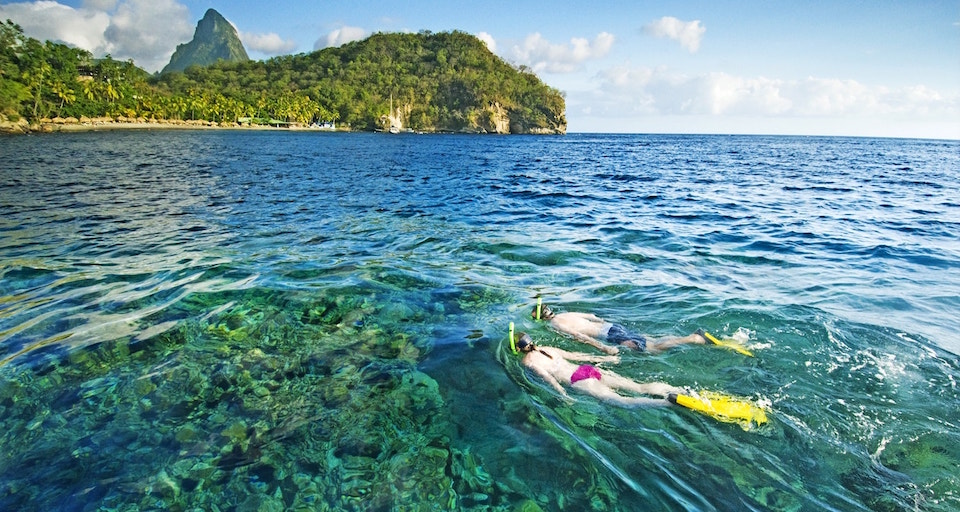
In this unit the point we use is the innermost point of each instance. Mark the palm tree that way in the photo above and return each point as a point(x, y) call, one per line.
point(64, 93)
point(35, 79)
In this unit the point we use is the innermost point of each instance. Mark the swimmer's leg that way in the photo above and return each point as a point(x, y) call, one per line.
point(661, 344)
point(638, 345)
point(604, 392)
point(661, 389)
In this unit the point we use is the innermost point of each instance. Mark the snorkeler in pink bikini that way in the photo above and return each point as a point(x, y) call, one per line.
point(556, 366)
point(588, 328)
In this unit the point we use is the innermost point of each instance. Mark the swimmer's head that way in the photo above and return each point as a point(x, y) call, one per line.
point(545, 312)
point(524, 342)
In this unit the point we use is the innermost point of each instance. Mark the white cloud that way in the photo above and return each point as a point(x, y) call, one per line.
point(687, 33)
point(543, 56)
point(48, 20)
point(267, 44)
point(340, 36)
point(146, 31)
point(488, 40)
point(629, 91)
point(100, 5)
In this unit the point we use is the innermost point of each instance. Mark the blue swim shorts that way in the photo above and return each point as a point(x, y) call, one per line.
point(617, 335)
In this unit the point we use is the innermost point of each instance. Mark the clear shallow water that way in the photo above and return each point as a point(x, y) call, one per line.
point(263, 320)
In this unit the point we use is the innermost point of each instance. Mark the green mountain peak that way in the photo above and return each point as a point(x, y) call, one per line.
point(214, 40)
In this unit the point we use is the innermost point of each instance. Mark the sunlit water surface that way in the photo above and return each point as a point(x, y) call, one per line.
point(309, 321)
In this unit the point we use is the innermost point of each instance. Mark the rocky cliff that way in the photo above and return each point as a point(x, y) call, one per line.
point(214, 40)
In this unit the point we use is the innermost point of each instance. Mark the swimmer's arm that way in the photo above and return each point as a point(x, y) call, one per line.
point(593, 342)
point(590, 358)
point(547, 376)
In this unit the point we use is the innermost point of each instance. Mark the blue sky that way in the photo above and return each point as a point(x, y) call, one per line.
point(863, 68)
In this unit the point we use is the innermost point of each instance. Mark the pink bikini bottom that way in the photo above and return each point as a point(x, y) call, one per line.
point(585, 371)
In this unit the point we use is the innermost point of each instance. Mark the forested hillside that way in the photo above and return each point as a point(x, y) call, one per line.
point(445, 81)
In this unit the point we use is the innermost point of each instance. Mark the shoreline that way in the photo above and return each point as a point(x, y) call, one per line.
point(60, 125)
point(106, 124)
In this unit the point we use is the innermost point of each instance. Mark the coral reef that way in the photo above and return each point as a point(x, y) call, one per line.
point(253, 403)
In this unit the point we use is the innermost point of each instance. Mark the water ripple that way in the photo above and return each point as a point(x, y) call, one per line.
point(320, 265)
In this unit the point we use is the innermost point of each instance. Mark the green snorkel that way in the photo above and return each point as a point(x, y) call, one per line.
point(513, 344)
point(539, 306)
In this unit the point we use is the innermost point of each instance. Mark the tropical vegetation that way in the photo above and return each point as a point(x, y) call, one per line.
point(445, 81)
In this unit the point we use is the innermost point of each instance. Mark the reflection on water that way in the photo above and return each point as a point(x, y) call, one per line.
point(268, 321)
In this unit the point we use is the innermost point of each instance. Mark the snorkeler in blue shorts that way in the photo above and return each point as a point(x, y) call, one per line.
point(589, 328)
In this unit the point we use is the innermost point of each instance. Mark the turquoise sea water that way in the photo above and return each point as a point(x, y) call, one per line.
point(310, 321)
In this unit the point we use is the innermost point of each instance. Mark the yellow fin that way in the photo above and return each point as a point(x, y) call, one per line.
point(723, 408)
point(731, 344)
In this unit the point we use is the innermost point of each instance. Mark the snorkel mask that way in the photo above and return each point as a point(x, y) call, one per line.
point(519, 344)
point(524, 343)
point(541, 311)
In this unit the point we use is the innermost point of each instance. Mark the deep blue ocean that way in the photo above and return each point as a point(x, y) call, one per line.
point(271, 320)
